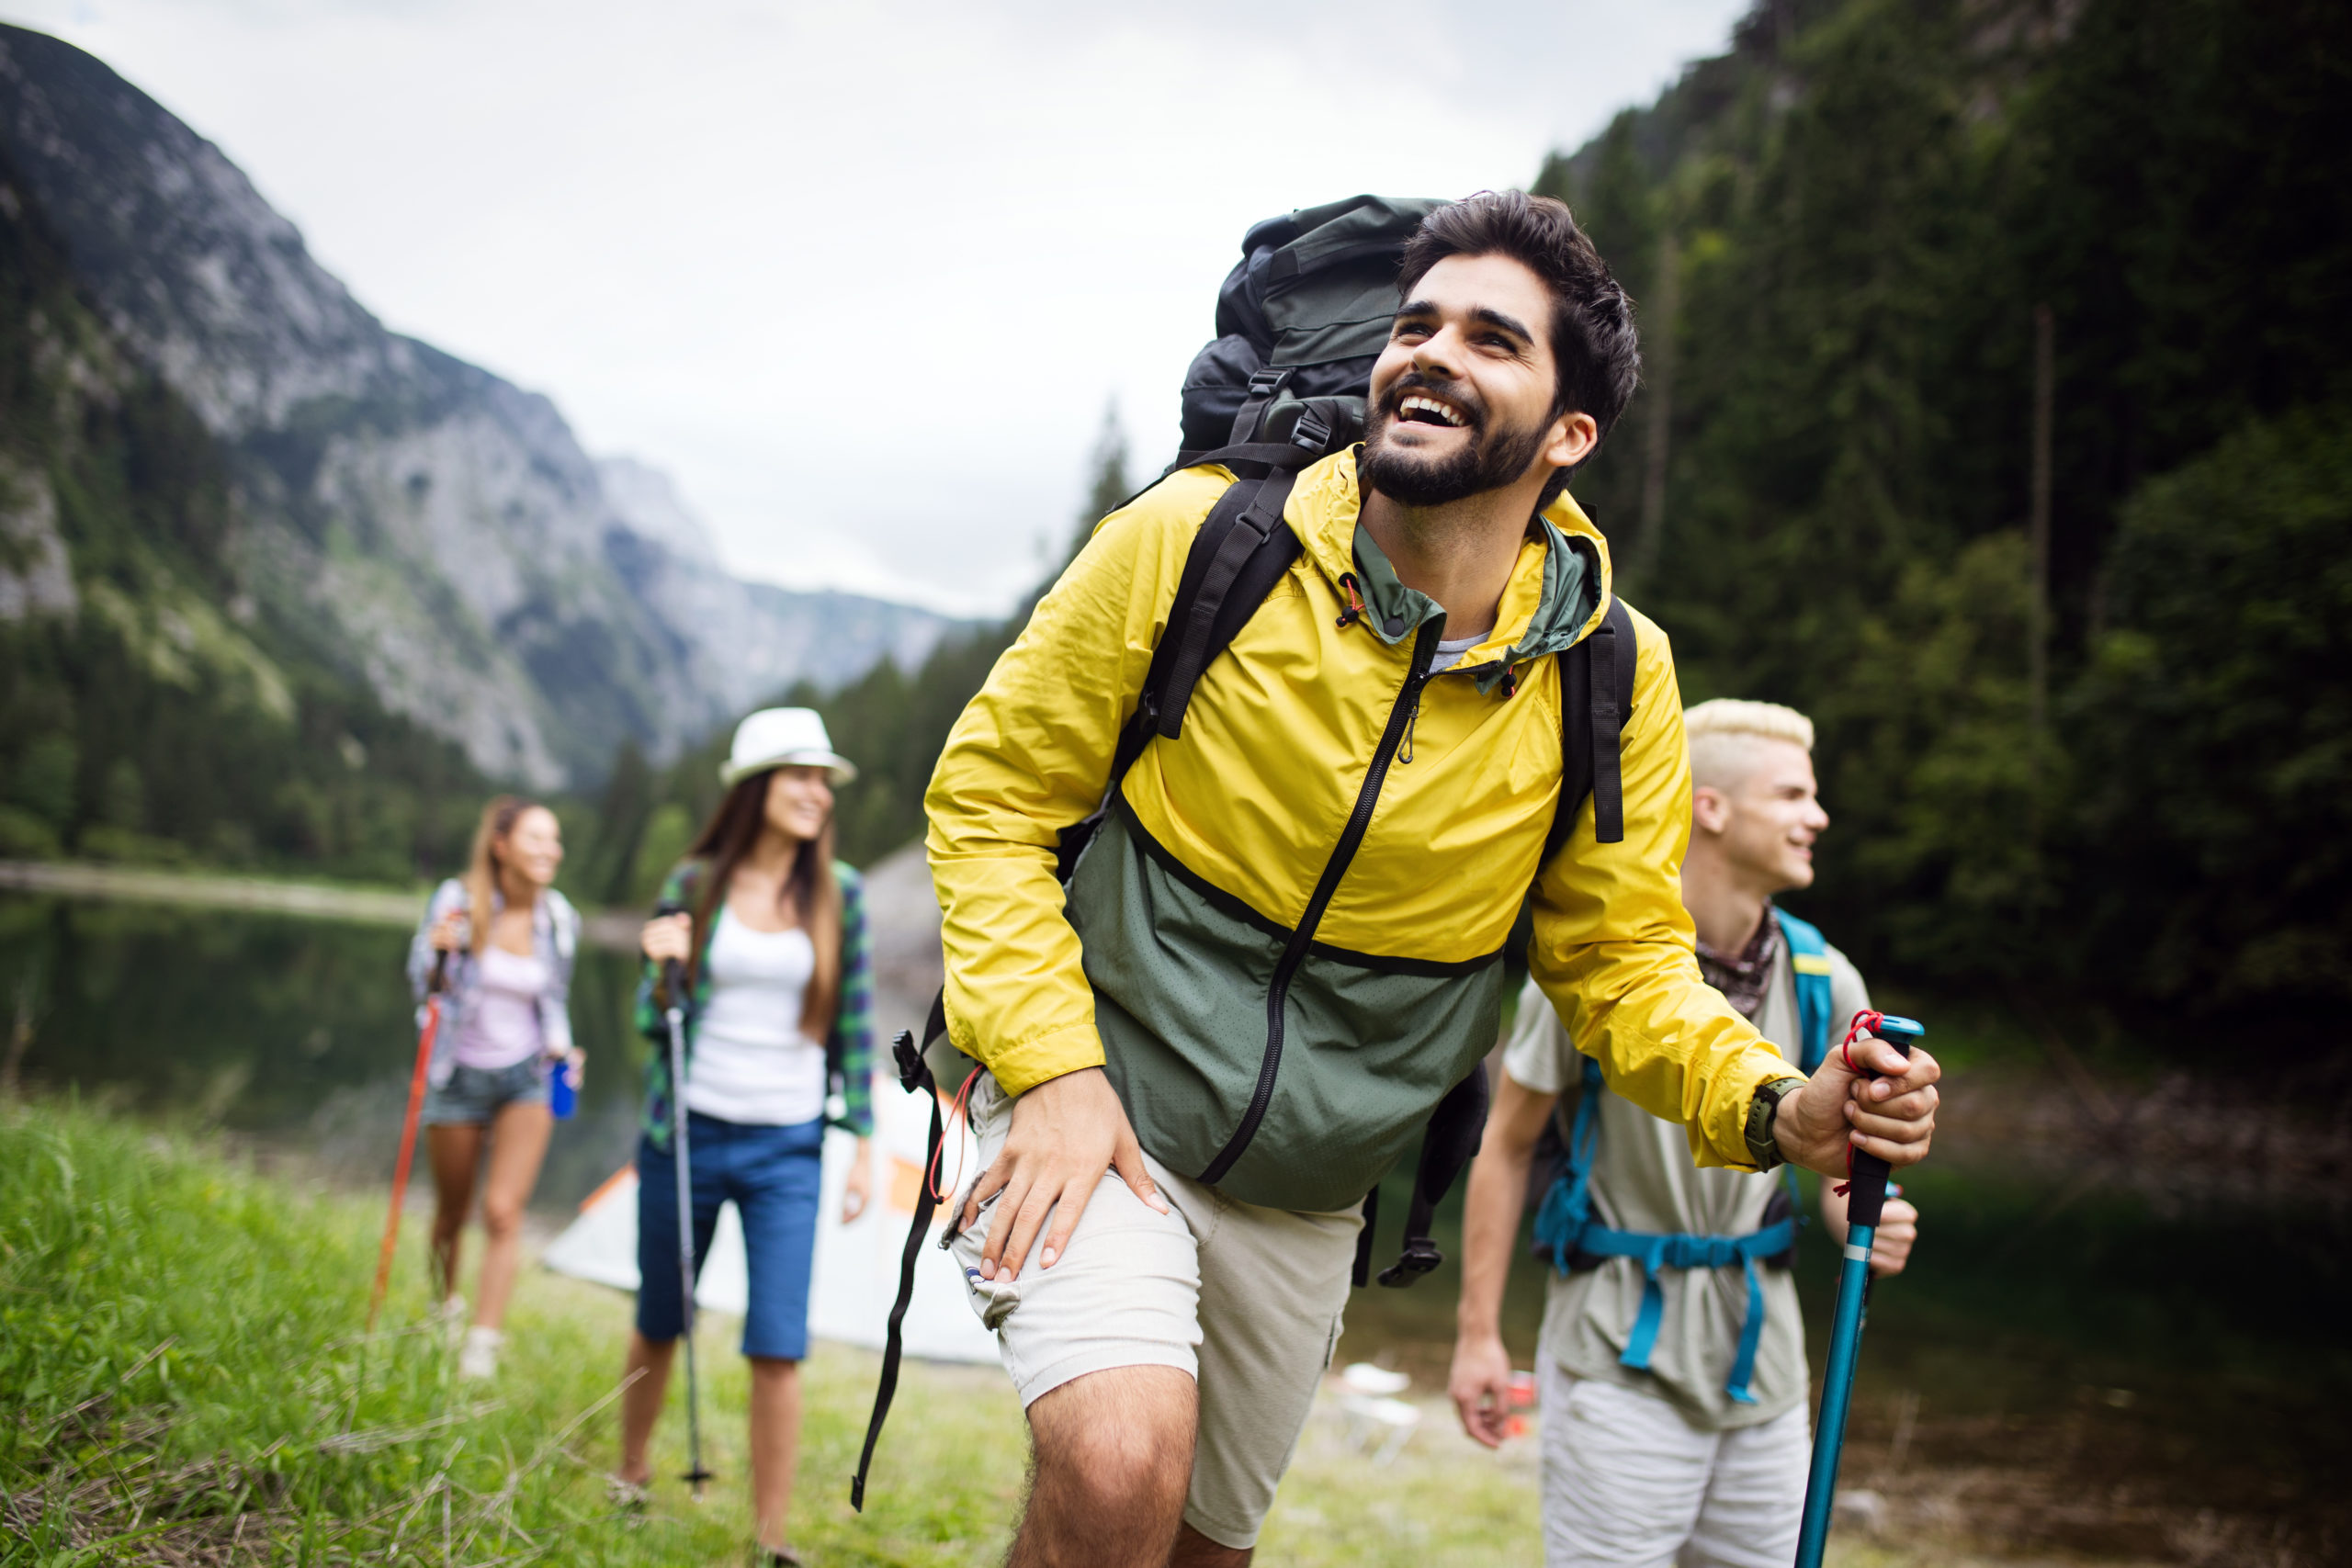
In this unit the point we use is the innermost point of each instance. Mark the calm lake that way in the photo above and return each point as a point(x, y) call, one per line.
point(2083, 1359)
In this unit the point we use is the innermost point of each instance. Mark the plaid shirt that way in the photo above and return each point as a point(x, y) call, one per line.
point(849, 1049)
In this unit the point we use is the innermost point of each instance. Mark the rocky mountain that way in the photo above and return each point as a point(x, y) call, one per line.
point(430, 528)
point(751, 639)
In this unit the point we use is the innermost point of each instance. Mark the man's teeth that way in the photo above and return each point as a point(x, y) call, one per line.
point(1431, 406)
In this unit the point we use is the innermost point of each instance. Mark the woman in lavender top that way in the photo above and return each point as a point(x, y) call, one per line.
point(502, 940)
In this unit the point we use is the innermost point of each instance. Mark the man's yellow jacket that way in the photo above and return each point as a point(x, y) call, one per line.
point(1285, 944)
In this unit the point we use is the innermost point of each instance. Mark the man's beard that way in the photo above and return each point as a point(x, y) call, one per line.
point(1493, 457)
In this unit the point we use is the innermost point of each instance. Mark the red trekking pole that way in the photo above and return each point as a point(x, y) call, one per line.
point(408, 1137)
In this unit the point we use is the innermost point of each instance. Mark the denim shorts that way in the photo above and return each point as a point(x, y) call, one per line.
point(774, 1176)
point(475, 1095)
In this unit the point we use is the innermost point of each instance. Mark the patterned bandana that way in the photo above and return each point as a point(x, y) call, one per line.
point(1742, 979)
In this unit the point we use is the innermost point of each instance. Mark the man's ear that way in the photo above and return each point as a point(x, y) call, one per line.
point(1573, 437)
point(1710, 809)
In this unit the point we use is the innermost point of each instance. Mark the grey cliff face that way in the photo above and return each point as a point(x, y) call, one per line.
point(440, 527)
point(190, 264)
point(753, 640)
point(36, 575)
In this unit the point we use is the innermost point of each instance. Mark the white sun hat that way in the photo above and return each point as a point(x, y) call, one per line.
point(783, 737)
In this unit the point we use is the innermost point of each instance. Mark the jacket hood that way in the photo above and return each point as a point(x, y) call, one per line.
point(1558, 587)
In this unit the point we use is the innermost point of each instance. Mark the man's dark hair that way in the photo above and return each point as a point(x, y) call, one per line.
point(1593, 340)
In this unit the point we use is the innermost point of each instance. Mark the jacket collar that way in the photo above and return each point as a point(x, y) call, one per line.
point(1558, 589)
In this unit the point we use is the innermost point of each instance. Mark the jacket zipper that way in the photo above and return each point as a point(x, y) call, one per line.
point(1351, 839)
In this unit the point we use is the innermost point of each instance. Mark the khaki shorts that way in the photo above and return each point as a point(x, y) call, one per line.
point(1245, 1301)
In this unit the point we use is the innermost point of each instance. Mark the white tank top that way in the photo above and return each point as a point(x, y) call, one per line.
point(502, 1025)
point(750, 1063)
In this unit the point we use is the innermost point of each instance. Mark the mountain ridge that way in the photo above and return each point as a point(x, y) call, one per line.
point(437, 530)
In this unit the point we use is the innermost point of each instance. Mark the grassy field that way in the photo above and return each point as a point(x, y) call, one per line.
point(180, 1352)
point(186, 1382)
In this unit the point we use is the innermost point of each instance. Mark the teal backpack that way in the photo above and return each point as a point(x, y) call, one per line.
point(1569, 1238)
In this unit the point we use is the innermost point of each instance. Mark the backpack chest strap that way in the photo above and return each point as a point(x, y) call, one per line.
point(1565, 1227)
point(1658, 1252)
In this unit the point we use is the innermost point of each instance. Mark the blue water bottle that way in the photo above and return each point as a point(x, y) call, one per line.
point(562, 1099)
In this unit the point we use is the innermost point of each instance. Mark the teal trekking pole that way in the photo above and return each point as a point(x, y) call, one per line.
point(1865, 1201)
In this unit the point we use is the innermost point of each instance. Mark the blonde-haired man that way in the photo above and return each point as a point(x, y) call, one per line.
point(1672, 1370)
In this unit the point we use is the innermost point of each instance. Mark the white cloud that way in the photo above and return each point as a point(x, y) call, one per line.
point(860, 275)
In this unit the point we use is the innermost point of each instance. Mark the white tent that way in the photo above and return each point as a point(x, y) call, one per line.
point(856, 1270)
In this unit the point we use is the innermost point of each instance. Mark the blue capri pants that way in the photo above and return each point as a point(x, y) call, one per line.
point(775, 1177)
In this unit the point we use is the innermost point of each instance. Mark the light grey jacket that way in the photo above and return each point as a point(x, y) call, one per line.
point(555, 937)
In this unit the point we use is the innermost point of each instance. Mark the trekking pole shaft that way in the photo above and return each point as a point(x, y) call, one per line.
point(1837, 1395)
point(1865, 1204)
point(695, 1474)
point(416, 1085)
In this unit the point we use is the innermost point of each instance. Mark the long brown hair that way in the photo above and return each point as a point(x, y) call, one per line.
point(484, 868)
point(810, 888)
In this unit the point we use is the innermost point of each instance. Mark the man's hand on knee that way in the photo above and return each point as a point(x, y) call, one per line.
point(1066, 1133)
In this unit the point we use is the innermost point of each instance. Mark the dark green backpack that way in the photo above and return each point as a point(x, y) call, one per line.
point(1313, 295)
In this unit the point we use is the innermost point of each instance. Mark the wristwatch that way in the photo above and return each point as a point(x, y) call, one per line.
point(1761, 1147)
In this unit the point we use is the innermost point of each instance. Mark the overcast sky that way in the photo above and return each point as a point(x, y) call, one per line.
point(862, 276)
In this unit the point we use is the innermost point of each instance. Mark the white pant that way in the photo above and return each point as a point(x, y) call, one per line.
point(1629, 1483)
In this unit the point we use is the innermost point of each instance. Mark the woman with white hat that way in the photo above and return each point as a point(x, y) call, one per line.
point(774, 950)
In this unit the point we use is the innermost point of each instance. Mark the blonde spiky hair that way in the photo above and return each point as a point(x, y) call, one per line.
point(1724, 732)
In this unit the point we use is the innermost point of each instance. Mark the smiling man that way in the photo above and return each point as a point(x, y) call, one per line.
point(1682, 1441)
point(1283, 947)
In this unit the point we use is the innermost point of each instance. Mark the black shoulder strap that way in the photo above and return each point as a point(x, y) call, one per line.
point(1596, 701)
point(1448, 1143)
point(914, 1076)
point(1241, 551)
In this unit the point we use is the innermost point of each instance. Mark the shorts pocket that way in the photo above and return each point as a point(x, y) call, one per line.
point(992, 1299)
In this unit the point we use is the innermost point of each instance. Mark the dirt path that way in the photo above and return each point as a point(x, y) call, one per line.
point(612, 929)
point(81, 879)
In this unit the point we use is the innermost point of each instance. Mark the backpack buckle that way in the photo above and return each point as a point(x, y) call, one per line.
point(1420, 1255)
point(1310, 433)
point(1266, 383)
point(909, 1056)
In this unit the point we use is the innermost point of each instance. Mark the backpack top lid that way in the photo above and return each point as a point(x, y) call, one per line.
point(1316, 289)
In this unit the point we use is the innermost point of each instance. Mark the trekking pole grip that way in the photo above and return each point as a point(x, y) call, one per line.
point(1866, 1194)
point(674, 974)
